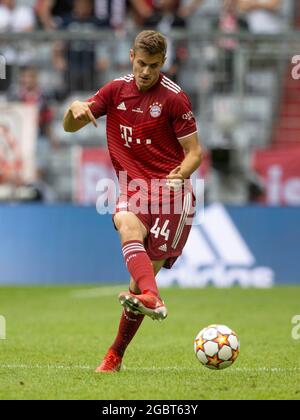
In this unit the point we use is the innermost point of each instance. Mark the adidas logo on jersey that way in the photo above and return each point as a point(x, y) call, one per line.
point(163, 248)
point(122, 107)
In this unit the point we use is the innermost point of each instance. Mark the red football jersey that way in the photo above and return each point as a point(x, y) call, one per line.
point(144, 128)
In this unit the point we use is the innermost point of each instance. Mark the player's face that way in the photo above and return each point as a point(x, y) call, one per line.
point(146, 68)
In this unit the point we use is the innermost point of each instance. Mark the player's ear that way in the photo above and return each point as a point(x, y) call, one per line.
point(131, 55)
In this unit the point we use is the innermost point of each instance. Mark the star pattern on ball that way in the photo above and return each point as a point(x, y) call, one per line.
point(214, 361)
point(200, 343)
point(217, 346)
point(222, 340)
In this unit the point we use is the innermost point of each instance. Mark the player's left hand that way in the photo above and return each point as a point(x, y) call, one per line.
point(175, 179)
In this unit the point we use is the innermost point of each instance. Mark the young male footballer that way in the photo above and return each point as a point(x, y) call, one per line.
point(153, 143)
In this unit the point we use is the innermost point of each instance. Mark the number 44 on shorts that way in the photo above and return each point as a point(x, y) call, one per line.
point(158, 230)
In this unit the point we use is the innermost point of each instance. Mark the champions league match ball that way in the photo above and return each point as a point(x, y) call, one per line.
point(217, 347)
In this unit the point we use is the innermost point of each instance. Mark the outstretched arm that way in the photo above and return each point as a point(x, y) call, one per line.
point(78, 115)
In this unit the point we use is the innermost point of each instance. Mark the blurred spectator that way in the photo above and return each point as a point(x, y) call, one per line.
point(146, 8)
point(229, 21)
point(162, 15)
point(50, 13)
point(178, 50)
point(112, 13)
point(79, 59)
point(189, 8)
point(149, 13)
point(12, 184)
point(142, 9)
point(29, 92)
point(263, 16)
point(14, 18)
point(10, 158)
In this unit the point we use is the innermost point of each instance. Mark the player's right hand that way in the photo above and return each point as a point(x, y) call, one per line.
point(81, 111)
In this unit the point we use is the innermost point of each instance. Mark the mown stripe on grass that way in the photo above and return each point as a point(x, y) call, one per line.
point(147, 369)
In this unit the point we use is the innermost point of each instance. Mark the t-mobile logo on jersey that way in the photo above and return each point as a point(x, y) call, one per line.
point(2, 68)
point(126, 134)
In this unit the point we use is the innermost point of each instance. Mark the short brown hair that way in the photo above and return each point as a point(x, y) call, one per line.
point(152, 42)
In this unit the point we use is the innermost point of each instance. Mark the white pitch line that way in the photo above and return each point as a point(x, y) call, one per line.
point(97, 292)
point(148, 369)
point(45, 367)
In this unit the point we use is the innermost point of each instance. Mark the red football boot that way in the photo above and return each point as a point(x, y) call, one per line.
point(111, 362)
point(146, 304)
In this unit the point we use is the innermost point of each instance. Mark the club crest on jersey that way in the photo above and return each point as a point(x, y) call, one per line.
point(155, 110)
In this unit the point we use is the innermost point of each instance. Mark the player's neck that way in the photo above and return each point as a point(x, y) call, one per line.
point(144, 90)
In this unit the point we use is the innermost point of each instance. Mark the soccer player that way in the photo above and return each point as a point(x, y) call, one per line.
point(151, 135)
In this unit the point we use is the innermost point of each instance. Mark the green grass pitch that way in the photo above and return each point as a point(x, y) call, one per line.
point(56, 336)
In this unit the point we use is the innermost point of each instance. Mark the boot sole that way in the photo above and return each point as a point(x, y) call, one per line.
point(132, 304)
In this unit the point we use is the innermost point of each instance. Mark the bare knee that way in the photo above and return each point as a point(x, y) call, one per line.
point(129, 227)
point(128, 233)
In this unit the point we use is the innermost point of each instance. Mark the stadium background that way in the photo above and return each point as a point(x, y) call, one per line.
point(241, 70)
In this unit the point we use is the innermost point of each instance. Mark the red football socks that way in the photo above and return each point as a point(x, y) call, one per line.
point(129, 324)
point(140, 267)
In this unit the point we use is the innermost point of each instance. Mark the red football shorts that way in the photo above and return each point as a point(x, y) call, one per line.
point(168, 225)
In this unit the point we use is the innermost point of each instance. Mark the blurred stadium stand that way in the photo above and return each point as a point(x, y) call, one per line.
point(244, 83)
point(240, 85)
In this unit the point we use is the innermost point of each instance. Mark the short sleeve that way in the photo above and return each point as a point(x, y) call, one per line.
point(182, 117)
point(102, 100)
